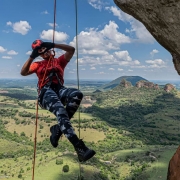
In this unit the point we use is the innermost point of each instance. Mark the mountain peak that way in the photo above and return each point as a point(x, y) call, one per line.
point(132, 79)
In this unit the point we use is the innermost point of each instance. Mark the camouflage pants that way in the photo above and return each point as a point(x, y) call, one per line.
point(63, 105)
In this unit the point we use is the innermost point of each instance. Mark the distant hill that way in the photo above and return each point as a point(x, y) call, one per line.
point(116, 82)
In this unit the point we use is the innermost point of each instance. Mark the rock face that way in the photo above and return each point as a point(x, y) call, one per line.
point(146, 84)
point(161, 18)
point(174, 167)
point(169, 87)
point(125, 83)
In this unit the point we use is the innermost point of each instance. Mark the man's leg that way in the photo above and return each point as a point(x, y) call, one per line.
point(51, 102)
point(72, 98)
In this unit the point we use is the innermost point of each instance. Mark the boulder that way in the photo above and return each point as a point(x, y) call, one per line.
point(125, 83)
point(161, 19)
point(174, 166)
point(169, 87)
point(147, 84)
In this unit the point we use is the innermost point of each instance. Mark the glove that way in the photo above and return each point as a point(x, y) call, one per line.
point(35, 53)
point(48, 45)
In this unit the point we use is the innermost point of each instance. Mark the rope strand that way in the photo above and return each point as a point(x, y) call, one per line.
point(36, 123)
point(77, 55)
point(54, 20)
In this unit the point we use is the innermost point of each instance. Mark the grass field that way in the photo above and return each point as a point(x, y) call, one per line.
point(158, 168)
point(46, 167)
point(165, 121)
point(7, 146)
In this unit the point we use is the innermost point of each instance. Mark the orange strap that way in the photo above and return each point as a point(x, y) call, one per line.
point(50, 59)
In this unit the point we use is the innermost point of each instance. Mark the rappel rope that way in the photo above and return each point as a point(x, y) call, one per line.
point(50, 59)
point(76, 12)
point(36, 123)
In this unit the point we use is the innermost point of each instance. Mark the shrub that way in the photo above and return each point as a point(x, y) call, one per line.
point(59, 161)
point(65, 168)
point(20, 176)
point(22, 134)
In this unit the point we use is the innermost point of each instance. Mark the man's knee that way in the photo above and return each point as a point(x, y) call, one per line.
point(76, 96)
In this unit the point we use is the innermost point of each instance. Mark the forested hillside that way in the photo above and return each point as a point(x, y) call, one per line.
point(151, 115)
point(133, 131)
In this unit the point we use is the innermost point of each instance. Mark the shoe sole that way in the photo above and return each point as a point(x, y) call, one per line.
point(89, 155)
point(51, 139)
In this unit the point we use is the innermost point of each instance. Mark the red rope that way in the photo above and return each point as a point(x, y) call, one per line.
point(36, 123)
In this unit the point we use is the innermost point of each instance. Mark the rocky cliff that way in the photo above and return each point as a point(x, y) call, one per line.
point(161, 18)
point(169, 87)
point(125, 83)
point(147, 84)
point(174, 167)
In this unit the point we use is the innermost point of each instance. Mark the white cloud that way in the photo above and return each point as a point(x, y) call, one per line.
point(101, 72)
point(94, 52)
point(138, 67)
point(110, 31)
point(136, 62)
point(45, 12)
point(12, 52)
point(123, 55)
point(157, 63)
point(99, 42)
point(5, 31)
point(71, 72)
point(6, 57)
point(154, 51)
point(52, 24)
point(9, 23)
point(120, 14)
point(97, 4)
point(142, 34)
point(83, 69)
point(130, 70)
point(93, 68)
point(29, 52)
point(119, 69)
point(48, 35)
point(58, 52)
point(21, 27)
point(111, 69)
point(2, 49)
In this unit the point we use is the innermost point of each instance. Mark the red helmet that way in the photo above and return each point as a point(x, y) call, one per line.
point(36, 43)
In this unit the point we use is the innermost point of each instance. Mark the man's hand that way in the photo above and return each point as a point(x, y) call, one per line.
point(48, 45)
point(35, 53)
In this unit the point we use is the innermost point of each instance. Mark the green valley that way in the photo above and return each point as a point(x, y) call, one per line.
point(134, 131)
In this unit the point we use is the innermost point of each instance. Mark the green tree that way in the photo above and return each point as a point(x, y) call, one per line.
point(65, 168)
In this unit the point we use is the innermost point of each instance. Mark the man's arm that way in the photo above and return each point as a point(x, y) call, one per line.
point(25, 69)
point(69, 50)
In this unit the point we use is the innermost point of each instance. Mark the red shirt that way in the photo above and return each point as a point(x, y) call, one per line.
point(57, 64)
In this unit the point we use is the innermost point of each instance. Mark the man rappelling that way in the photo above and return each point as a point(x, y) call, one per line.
point(63, 102)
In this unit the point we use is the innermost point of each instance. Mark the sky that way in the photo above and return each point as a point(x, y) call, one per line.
point(110, 42)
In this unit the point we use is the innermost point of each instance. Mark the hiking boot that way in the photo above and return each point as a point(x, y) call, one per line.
point(83, 152)
point(56, 134)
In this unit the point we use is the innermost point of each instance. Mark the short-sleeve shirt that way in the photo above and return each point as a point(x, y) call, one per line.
point(57, 64)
